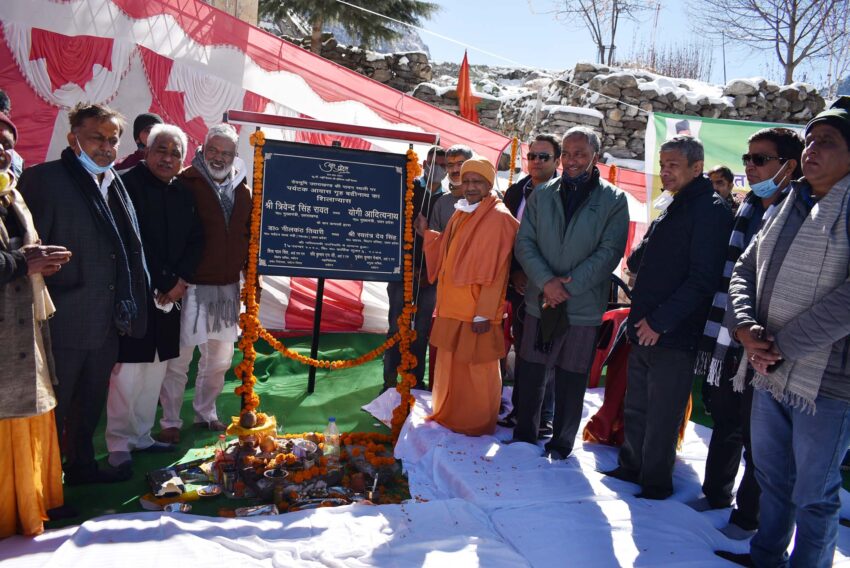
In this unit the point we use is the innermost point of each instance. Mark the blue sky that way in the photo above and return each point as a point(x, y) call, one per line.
point(511, 29)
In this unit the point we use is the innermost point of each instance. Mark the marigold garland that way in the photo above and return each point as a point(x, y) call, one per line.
point(252, 329)
point(514, 146)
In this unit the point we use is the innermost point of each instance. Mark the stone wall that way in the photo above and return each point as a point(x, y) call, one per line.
point(402, 71)
point(446, 99)
point(622, 100)
point(613, 101)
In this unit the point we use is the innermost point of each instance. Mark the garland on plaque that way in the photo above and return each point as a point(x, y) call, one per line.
point(252, 329)
point(514, 146)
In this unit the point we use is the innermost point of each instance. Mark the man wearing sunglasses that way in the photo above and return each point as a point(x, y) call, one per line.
point(771, 162)
point(678, 264)
point(572, 236)
point(543, 155)
point(790, 294)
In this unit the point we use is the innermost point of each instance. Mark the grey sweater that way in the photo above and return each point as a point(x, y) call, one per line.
point(827, 322)
point(443, 210)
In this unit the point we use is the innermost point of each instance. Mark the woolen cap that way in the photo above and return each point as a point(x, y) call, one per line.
point(143, 121)
point(837, 115)
point(481, 166)
point(4, 119)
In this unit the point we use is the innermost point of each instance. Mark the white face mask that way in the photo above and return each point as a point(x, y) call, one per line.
point(663, 201)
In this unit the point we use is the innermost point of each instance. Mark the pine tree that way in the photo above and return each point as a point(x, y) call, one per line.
point(368, 27)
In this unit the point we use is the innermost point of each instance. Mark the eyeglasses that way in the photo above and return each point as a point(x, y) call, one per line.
point(759, 160)
point(542, 156)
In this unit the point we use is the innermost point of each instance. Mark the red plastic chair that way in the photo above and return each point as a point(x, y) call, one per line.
point(607, 334)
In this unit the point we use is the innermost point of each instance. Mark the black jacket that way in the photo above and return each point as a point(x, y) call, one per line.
point(679, 264)
point(84, 291)
point(512, 200)
point(173, 239)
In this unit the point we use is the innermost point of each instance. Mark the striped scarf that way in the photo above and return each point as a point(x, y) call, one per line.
point(815, 264)
point(717, 350)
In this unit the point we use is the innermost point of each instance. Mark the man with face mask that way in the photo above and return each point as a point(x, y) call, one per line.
point(679, 264)
point(210, 311)
point(573, 235)
point(426, 192)
point(79, 202)
point(771, 162)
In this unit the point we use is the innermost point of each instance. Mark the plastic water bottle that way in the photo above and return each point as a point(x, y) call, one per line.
point(332, 443)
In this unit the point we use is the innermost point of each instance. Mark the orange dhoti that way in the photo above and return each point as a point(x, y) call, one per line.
point(468, 380)
point(31, 473)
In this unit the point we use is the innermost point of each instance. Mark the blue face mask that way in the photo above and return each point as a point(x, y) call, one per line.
point(767, 187)
point(90, 165)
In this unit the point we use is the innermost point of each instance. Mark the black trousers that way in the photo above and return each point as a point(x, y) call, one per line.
point(426, 301)
point(83, 384)
point(518, 328)
point(730, 438)
point(659, 383)
point(569, 403)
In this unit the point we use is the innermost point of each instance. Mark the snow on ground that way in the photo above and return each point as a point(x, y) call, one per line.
point(478, 502)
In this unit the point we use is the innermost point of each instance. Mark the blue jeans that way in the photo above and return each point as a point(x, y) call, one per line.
point(782, 437)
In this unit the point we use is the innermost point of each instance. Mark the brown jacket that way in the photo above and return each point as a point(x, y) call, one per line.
point(26, 372)
point(225, 251)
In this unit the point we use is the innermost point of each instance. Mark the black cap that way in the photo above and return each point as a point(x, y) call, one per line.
point(837, 115)
point(143, 121)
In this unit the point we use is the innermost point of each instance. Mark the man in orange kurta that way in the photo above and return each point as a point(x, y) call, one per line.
point(470, 261)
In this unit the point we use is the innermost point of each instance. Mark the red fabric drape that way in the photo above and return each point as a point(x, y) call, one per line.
point(342, 308)
point(322, 139)
point(169, 104)
point(70, 59)
point(33, 116)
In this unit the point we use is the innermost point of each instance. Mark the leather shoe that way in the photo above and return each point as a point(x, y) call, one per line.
point(169, 435)
point(157, 448)
point(62, 512)
point(621, 474)
point(739, 559)
point(654, 494)
point(111, 475)
point(212, 425)
point(555, 455)
point(508, 421)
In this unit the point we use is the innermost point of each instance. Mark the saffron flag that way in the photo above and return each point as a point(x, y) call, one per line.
point(465, 100)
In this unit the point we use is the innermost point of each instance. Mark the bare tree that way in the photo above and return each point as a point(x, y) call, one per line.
point(685, 60)
point(795, 30)
point(838, 60)
point(602, 17)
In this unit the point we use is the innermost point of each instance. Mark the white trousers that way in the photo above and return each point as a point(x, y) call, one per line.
point(216, 357)
point(131, 404)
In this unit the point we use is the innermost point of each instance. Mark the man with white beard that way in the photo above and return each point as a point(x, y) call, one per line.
point(210, 310)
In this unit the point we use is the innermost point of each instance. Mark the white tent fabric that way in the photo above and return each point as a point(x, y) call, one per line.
point(476, 502)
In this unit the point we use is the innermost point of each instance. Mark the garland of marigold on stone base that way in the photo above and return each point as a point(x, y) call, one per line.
point(252, 329)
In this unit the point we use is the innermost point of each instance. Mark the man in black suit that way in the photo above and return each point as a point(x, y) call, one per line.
point(79, 202)
point(543, 155)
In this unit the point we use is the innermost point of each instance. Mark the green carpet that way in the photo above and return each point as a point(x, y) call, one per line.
point(282, 386)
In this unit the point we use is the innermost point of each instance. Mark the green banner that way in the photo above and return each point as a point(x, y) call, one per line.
point(725, 141)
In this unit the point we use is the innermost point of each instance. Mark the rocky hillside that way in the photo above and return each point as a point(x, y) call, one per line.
point(526, 102)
